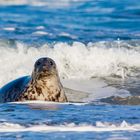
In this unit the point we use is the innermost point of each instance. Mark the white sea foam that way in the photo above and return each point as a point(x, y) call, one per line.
point(41, 33)
point(96, 88)
point(63, 34)
point(9, 29)
point(40, 27)
point(99, 127)
point(75, 62)
point(51, 3)
point(35, 103)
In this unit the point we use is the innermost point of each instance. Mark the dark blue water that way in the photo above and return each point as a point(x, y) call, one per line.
point(83, 115)
point(86, 21)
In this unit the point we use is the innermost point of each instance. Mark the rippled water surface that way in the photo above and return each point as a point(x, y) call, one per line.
point(69, 121)
point(70, 20)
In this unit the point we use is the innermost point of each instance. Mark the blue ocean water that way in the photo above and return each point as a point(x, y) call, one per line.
point(69, 122)
point(84, 21)
point(89, 40)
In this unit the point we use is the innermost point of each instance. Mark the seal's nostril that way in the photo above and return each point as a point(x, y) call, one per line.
point(51, 63)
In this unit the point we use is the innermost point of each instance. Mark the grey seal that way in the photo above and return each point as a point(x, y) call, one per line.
point(43, 84)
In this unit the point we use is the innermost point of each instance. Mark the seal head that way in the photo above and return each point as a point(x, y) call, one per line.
point(43, 68)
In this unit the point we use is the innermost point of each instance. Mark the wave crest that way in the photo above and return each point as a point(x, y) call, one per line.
point(78, 60)
point(100, 126)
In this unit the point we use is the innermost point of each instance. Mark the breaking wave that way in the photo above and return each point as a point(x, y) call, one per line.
point(78, 61)
point(99, 126)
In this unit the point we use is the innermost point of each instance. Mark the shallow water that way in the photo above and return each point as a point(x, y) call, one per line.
point(96, 46)
point(69, 121)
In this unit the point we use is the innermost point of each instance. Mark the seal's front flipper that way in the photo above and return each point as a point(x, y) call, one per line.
point(76, 96)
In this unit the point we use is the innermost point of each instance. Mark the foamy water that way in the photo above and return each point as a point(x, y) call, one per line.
point(59, 3)
point(81, 70)
point(99, 127)
point(94, 60)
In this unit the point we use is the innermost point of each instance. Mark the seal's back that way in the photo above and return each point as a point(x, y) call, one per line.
point(13, 89)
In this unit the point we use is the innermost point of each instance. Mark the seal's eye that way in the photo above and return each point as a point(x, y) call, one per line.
point(38, 63)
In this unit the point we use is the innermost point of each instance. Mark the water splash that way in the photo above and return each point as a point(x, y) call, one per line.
point(77, 61)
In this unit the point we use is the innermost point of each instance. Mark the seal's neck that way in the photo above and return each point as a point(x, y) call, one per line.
point(45, 82)
point(46, 89)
